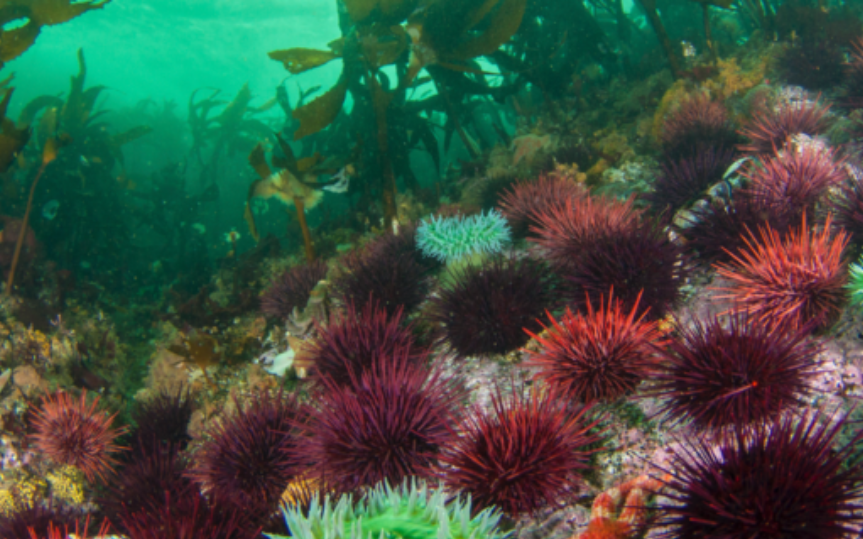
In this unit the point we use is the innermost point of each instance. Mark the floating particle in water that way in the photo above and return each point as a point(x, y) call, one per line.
point(49, 210)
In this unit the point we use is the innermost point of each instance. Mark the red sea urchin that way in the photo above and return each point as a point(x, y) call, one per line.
point(796, 281)
point(735, 374)
point(521, 203)
point(771, 130)
point(485, 309)
point(70, 431)
point(292, 289)
point(782, 481)
point(523, 454)
point(248, 460)
point(698, 124)
point(598, 356)
point(352, 342)
point(391, 423)
point(796, 178)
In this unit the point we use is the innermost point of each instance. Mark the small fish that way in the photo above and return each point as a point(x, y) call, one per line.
point(49, 210)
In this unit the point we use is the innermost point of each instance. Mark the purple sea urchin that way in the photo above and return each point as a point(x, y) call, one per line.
point(719, 229)
point(784, 480)
point(292, 289)
point(389, 424)
point(392, 276)
point(641, 264)
point(485, 309)
point(698, 124)
point(797, 178)
point(163, 420)
point(737, 373)
point(523, 454)
point(248, 460)
point(771, 130)
point(685, 181)
point(351, 343)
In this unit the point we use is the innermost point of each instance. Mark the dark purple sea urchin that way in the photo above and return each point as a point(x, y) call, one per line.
point(698, 125)
point(292, 289)
point(782, 481)
point(735, 373)
point(248, 461)
point(771, 130)
point(389, 424)
point(387, 271)
point(485, 308)
point(685, 181)
point(352, 341)
point(162, 420)
point(523, 454)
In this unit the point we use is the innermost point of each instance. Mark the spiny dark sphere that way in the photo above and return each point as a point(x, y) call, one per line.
point(392, 245)
point(163, 420)
point(523, 454)
point(783, 481)
point(521, 203)
point(598, 356)
point(683, 182)
point(771, 130)
point(734, 373)
point(202, 521)
point(248, 461)
point(796, 280)
point(847, 208)
point(718, 229)
point(70, 431)
point(485, 309)
point(141, 485)
point(352, 341)
point(292, 289)
point(395, 277)
point(797, 178)
point(565, 231)
point(389, 424)
point(698, 125)
point(641, 262)
point(36, 516)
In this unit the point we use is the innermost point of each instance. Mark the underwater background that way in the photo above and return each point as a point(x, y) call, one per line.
point(534, 269)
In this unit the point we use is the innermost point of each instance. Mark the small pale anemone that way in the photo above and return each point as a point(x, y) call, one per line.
point(452, 238)
point(390, 512)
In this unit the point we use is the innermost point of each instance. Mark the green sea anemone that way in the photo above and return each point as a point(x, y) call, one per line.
point(451, 238)
point(410, 511)
point(855, 284)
